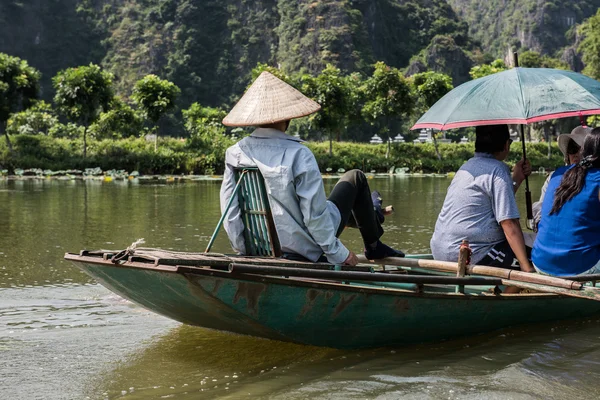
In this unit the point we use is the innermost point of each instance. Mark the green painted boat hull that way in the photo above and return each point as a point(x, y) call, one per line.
point(323, 313)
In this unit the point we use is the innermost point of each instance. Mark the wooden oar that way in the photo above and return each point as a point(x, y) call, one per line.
point(447, 266)
point(586, 292)
point(522, 280)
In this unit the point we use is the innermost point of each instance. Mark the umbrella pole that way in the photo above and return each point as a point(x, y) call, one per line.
point(527, 192)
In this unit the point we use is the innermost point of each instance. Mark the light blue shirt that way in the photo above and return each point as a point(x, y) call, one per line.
point(480, 196)
point(306, 222)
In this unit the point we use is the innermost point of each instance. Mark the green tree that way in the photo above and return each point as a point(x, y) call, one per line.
point(590, 45)
point(207, 134)
point(430, 87)
point(68, 131)
point(37, 119)
point(19, 86)
point(332, 92)
point(530, 59)
point(155, 97)
point(82, 93)
point(533, 59)
point(118, 122)
point(387, 95)
point(260, 68)
point(198, 117)
point(479, 71)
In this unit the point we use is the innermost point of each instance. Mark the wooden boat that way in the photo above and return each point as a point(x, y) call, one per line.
point(325, 305)
point(268, 296)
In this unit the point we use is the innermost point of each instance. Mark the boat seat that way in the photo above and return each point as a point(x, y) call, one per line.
point(260, 236)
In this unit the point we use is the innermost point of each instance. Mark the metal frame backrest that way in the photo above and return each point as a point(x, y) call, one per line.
point(259, 229)
point(260, 236)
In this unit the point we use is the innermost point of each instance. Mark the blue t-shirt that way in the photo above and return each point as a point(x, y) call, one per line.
point(568, 242)
point(480, 196)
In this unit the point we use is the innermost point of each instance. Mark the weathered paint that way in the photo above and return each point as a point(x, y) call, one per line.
point(250, 293)
point(326, 314)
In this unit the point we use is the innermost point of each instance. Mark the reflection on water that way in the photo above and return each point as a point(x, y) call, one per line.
point(62, 336)
point(191, 363)
point(189, 360)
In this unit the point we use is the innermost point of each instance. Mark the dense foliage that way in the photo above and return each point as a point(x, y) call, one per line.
point(18, 88)
point(82, 93)
point(181, 157)
point(590, 46)
point(542, 26)
point(342, 53)
point(208, 48)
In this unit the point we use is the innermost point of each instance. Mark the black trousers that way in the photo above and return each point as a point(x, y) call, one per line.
point(352, 196)
point(502, 256)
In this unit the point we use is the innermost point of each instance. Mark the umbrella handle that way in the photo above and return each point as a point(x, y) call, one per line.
point(529, 209)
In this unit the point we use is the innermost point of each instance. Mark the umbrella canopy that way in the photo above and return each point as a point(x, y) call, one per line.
point(515, 96)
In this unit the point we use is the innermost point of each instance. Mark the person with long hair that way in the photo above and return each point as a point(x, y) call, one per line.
point(568, 240)
point(570, 146)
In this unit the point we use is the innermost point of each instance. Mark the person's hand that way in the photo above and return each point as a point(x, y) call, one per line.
point(521, 170)
point(351, 259)
point(526, 168)
point(528, 268)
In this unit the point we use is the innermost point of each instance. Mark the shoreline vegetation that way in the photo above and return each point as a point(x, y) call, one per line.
point(149, 132)
point(43, 156)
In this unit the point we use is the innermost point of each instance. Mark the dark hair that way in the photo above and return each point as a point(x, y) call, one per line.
point(273, 125)
point(491, 138)
point(574, 179)
point(572, 147)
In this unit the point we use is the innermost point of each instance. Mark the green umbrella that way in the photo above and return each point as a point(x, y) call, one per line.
point(515, 96)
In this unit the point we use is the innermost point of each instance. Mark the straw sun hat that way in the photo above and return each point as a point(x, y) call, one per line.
point(577, 135)
point(269, 100)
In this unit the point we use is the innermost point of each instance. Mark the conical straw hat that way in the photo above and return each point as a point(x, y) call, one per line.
point(269, 100)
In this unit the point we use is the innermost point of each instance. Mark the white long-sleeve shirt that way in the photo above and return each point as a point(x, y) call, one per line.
point(306, 222)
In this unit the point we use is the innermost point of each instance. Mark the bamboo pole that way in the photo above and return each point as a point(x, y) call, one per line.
point(521, 280)
point(446, 266)
point(238, 268)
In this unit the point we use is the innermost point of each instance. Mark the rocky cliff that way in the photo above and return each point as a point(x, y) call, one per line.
point(209, 47)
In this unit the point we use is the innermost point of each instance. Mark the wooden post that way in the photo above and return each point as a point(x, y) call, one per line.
point(464, 258)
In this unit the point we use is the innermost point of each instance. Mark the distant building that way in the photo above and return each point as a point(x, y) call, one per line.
point(425, 136)
point(398, 139)
point(376, 140)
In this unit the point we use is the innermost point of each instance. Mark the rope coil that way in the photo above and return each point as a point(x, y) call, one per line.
point(129, 251)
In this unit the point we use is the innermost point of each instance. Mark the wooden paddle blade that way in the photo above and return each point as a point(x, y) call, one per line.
point(585, 292)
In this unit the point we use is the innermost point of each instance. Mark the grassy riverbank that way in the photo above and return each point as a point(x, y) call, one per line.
point(179, 156)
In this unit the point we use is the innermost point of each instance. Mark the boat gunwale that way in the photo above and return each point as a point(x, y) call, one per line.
point(305, 282)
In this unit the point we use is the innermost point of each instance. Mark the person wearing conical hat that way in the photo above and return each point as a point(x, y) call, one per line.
point(307, 222)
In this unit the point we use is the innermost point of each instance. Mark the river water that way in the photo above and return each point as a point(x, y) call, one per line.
point(63, 336)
